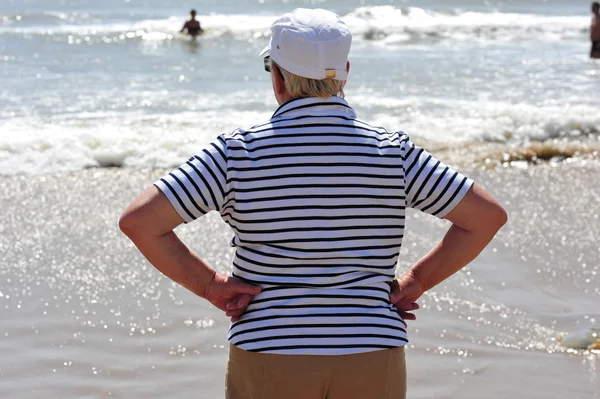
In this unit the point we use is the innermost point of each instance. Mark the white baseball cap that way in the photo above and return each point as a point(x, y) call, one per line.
point(313, 43)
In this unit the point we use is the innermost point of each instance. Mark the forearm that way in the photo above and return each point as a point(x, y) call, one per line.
point(457, 249)
point(175, 260)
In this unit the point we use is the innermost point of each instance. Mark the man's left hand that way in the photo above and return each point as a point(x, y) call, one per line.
point(230, 294)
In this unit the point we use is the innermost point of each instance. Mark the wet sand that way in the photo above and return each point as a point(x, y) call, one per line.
point(82, 314)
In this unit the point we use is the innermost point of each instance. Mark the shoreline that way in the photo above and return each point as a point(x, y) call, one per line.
point(462, 155)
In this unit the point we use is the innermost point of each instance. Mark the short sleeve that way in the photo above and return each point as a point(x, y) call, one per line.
point(431, 186)
point(198, 186)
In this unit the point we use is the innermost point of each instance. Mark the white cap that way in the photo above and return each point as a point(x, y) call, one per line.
point(313, 43)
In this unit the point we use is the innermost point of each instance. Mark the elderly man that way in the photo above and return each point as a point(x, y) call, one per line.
point(316, 199)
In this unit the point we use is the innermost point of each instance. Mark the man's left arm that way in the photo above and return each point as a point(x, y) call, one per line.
point(149, 222)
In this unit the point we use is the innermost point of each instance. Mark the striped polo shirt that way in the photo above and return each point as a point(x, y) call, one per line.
point(316, 199)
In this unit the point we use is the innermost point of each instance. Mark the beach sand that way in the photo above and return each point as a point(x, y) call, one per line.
point(82, 314)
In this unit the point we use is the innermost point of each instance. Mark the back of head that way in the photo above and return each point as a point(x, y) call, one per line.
point(310, 47)
point(299, 86)
point(193, 13)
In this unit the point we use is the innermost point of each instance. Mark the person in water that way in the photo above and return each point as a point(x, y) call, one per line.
point(193, 25)
point(595, 31)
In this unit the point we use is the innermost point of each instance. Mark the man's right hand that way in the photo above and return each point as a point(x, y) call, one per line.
point(406, 289)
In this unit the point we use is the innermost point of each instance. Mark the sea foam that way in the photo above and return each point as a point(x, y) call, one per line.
point(142, 140)
point(385, 24)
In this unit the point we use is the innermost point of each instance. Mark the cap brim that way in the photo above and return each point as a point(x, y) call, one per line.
point(266, 51)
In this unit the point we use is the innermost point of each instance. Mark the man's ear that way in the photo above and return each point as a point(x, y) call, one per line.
point(347, 70)
point(278, 82)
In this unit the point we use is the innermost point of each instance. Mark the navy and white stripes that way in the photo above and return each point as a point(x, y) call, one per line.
point(316, 199)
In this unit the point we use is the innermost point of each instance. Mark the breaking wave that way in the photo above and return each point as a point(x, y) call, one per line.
point(385, 24)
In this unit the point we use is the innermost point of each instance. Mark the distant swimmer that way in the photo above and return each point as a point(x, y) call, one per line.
point(192, 26)
point(595, 31)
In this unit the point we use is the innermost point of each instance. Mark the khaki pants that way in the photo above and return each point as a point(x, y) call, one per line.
point(372, 375)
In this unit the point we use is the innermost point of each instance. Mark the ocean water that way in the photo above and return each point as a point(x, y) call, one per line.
point(100, 98)
point(112, 83)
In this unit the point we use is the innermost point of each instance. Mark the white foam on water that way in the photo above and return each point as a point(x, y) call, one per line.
point(451, 120)
point(66, 143)
point(417, 23)
point(139, 139)
point(385, 24)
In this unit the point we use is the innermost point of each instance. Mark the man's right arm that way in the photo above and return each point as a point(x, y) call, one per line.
point(475, 221)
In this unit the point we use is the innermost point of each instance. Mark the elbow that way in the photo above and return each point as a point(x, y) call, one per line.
point(128, 224)
point(124, 224)
point(498, 217)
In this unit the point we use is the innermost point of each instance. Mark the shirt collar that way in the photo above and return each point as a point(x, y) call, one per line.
point(311, 104)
